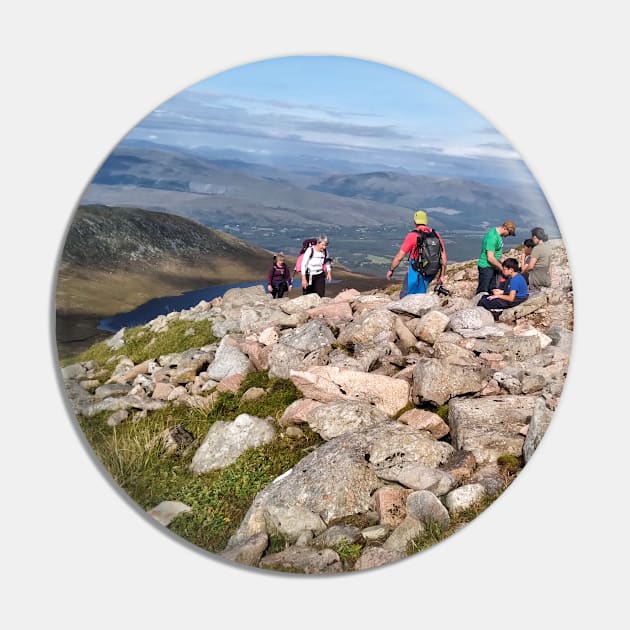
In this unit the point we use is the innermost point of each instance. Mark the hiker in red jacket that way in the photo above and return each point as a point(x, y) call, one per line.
point(416, 281)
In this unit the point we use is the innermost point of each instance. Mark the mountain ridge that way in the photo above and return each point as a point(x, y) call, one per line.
point(175, 181)
point(115, 259)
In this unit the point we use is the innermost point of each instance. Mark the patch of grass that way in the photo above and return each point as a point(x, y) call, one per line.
point(219, 499)
point(141, 344)
point(348, 551)
point(279, 394)
point(432, 534)
point(255, 379)
point(277, 543)
point(225, 407)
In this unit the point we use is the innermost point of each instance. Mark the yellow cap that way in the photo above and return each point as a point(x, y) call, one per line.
point(420, 217)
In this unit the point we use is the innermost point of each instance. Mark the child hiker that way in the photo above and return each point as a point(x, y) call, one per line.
point(514, 293)
point(279, 277)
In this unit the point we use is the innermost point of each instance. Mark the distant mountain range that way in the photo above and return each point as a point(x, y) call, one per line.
point(208, 192)
point(223, 192)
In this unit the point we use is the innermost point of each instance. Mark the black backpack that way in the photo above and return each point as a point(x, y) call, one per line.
point(426, 257)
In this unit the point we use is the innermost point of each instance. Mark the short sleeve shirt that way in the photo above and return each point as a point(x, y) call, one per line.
point(491, 241)
point(409, 244)
point(518, 284)
point(539, 275)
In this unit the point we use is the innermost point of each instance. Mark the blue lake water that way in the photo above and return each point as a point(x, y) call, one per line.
point(164, 305)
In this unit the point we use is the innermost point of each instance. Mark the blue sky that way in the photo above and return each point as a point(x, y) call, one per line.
point(334, 108)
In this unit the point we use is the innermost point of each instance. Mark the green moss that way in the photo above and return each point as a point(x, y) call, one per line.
point(442, 411)
point(510, 463)
point(408, 407)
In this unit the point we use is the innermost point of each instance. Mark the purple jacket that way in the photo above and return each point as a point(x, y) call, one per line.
point(277, 274)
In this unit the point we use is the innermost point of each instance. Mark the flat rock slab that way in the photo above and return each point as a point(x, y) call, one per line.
point(328, 384)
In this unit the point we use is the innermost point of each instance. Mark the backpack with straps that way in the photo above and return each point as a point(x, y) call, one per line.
point(426, 256)
point(306, 243)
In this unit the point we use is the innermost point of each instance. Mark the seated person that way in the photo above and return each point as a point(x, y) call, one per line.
point(514, 292)
point(526, 254)
point(539, 261)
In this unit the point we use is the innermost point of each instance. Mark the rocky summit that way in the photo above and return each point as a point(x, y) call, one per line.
point(425, 409)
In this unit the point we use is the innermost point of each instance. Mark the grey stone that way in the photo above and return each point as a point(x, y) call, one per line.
point(427, 508)
point(226, 441)
point(166, 511)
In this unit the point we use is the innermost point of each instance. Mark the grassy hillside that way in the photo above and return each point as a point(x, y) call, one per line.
point(115, 259)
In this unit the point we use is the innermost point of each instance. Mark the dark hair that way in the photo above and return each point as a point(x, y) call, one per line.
point(528, 243)
point(539, 233)
point(511, 263)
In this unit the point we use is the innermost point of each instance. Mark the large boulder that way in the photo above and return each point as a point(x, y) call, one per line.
point(310, 337)
point(228, 360)
point(333, 419)
point(490, 427)
point(416, 304)
point(368, 326)
point(438, 380)
point(329, 384)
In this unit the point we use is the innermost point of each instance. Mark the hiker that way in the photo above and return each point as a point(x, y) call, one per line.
point(417, 279)
point(528, 245)
point(489, 263)
point(538, 266)
point(315, 268)
point(279, 277)
point(514, 293)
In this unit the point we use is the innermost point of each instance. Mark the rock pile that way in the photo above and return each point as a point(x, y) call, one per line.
point(416, 399)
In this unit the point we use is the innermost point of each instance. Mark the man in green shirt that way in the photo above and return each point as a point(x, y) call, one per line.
point(489, 263)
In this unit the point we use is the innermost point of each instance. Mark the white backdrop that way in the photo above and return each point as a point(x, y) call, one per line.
point(78, 76)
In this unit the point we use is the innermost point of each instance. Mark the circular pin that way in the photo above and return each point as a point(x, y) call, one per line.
point(313, 314)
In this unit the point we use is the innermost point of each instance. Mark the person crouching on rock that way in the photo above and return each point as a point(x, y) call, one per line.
point(316, 268)
point(279, 277)
point(514, 293)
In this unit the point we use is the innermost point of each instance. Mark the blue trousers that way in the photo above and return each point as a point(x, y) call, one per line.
point(414, 282)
